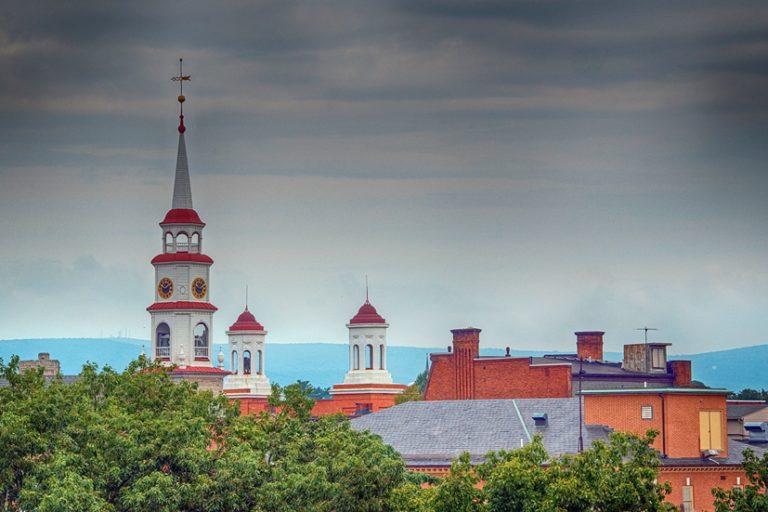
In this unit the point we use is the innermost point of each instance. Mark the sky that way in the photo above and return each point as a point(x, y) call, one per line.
point(528, 168)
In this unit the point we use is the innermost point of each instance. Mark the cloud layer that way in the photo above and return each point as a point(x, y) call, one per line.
point(531, 168)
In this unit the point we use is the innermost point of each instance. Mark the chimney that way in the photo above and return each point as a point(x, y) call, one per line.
point(681, 371)
point(466, 347)
point(589, 345)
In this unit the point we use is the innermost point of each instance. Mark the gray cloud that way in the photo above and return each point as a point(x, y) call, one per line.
point(528, 167)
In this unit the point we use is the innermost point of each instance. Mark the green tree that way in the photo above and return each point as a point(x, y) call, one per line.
point(752, 498)
point(415, 391)
point(136, 441)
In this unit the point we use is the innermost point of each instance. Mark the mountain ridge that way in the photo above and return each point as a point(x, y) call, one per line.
point(734, 369)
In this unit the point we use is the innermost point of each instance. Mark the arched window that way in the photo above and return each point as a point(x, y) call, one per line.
point(163, 341)
point(381, 357)
point(259, 362)
point(247, 362)
point(201, 340)
point(168, 242)
point(182, 242)
point(369, 357)
point(355, 357)
point(194, 242)
point(235, 362)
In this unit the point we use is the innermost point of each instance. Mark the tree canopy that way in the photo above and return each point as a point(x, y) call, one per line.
point(136, 441)
point(752, 497)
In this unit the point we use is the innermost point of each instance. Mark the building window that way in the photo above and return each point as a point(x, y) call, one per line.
point(688, 498)
point(369, 357)
point(657, 359)
point(201, 340)
point(646, 412)
point(163, 341)
point(711, 430)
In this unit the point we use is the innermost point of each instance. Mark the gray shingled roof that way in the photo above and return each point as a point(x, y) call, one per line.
point(435, 432)
point(736, 411)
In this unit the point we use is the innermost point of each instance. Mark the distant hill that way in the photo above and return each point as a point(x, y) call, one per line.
point(324, 364)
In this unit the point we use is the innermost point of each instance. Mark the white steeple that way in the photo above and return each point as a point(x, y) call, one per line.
point(182, 190)
point(182, 314)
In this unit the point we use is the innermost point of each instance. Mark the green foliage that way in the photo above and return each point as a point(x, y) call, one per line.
point(752, 498)
point(749, 394)
point(135, 441)
point(415, 391)
point(458, 491)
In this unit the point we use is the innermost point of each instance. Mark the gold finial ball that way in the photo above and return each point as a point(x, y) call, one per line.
point(182, 98)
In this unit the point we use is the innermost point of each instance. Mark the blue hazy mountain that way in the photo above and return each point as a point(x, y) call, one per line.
point(324, 364)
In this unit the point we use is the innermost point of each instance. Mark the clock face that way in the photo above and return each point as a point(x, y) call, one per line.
point(165, 288)
point(199, 288)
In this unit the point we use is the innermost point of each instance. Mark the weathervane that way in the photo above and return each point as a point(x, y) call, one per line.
point(181, 79)
point(646, 329)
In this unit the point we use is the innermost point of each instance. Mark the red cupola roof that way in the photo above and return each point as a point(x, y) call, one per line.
point(246, 322)
point(182, 216)
point(367, 315)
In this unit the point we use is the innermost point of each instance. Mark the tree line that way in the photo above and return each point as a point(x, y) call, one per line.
point(136, 441)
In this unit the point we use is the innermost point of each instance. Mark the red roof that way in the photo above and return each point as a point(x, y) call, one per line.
point(246, 322)
point(182, 216)
point(367, 315)
point(182, 304)
point(199, 369)
point(182, 257)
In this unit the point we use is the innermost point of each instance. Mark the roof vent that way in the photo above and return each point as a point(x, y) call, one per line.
point(709, 453)
point(507, 354)
point(758, 431)
point(539, 419)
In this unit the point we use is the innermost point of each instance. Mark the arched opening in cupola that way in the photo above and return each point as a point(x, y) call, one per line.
point(369, 357)
point(381, 357)
point(182, 242)
point(163, 341)
point(235, 362)
point(259, 362)
point(201, 340)
point(194, 242)
point(355, 357)
point(168, 239)
point(247, 362)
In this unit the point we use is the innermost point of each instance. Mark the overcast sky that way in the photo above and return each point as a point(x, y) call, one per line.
point(528, 168)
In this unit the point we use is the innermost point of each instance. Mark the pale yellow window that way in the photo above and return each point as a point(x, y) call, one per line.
point(711, 430)
point(688, 498)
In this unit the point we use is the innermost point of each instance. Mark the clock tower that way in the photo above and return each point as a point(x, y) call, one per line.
point(182, 314)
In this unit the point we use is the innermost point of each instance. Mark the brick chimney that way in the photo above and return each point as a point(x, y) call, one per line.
point(589, 345)
point(681, 370)
point(466, 347)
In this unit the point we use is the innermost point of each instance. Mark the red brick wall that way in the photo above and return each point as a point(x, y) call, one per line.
point(350, 404)
point(504, 377)
point(515, 378)
point(681, 413)
point(703, 481)
point(441, 382)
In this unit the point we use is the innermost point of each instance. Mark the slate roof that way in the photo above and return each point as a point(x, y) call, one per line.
point(598, 368)
point(736, 411)
point(435, 432)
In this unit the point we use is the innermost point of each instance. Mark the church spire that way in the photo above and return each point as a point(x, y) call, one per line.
point(182, 189)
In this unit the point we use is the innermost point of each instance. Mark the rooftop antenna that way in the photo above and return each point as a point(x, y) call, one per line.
point(181, 79)
point(366, 287)
point(646, 329)
point(246, 296)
